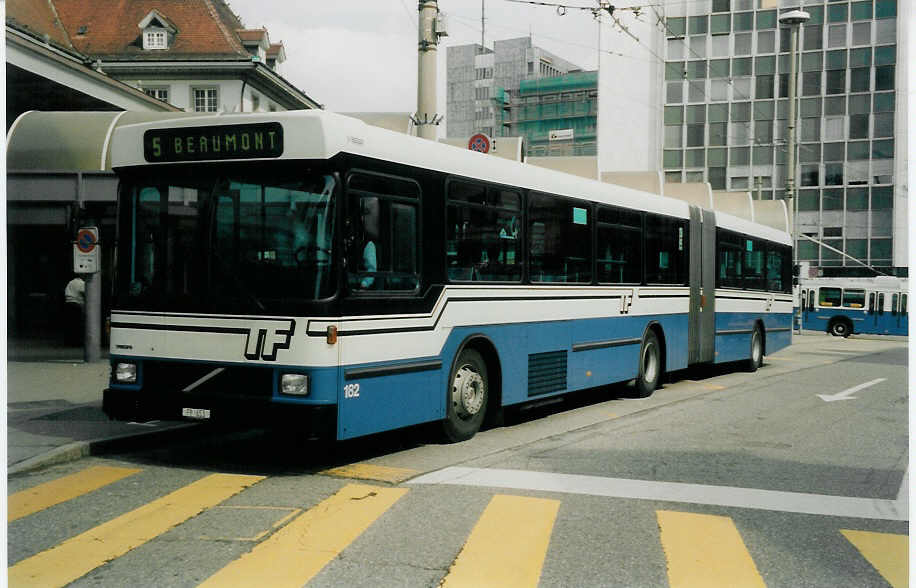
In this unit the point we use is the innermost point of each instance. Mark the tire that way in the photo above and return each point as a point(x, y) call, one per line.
point(466, 396)
point(650, 365)
point(756, 358)
point(840, 328)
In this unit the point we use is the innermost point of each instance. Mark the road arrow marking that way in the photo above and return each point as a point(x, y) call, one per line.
point(848, 394)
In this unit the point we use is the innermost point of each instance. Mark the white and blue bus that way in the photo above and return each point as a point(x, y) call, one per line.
point(305, 267)
point(843, 306)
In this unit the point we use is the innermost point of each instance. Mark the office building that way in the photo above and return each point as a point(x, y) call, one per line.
point(726, 109)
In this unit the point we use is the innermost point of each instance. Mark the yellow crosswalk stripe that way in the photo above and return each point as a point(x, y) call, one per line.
point(45, 495)
point(296, 553)
point(368, 471)
point(81, 554)
point(705, 550)
point(508, 545)
point(887, 552)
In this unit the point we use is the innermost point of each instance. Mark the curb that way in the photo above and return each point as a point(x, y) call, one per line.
point(80, 449)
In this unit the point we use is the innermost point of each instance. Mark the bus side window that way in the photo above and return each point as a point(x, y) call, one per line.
point(881, 303)
point(830, 296)
point(871, 303)
point(810, 299)
point(895, 299)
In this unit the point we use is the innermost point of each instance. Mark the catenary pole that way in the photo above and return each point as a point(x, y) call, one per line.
point(426, 118)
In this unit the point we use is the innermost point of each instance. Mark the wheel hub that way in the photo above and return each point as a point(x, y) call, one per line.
point(467, 392)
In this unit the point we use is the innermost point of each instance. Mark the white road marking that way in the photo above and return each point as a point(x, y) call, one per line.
point(794, 502)
point(848, 393)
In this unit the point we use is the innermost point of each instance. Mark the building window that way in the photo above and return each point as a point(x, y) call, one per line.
point(813, 37)
point(861, 33)
point(810, 175)
point(836, 81)
point(884, 77)
point(155, 39)
point(205, 99)
point(158, 93)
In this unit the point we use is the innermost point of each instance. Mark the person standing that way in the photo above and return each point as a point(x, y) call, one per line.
point(74, 304)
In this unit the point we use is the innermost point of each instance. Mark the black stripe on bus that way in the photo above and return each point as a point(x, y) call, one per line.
point(605, 344)
point(390, 370)
point(187, 328)
point(344, 333)
point(735, 332)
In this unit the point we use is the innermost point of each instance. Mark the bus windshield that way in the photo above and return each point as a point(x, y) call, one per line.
point(225, 243)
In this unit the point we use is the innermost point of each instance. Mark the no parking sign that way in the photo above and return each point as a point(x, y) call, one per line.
point(86, 250)
point(480, 142)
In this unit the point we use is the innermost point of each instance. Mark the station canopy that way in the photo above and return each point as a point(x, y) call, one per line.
point(70, 141)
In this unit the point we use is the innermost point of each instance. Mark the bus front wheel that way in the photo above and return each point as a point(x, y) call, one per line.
point(467, 396)
point(650, 365)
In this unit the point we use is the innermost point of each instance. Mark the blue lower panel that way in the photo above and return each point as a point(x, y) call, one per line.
point(734, 330)
point(395, 400)
point(375, 403)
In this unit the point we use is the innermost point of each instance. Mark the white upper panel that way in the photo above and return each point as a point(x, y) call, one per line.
point(315, 134)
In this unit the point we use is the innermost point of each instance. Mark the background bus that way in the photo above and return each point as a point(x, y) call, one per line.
point(843, 306)
point(308, 268)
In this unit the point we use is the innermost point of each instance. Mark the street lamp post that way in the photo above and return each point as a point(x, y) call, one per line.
point(793, 18)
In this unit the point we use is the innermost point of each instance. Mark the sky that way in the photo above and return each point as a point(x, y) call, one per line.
point(361, 56)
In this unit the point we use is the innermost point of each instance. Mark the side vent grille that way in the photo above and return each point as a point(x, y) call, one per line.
point(546, 372)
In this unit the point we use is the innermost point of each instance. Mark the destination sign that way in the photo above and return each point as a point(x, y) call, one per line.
point(246, 141)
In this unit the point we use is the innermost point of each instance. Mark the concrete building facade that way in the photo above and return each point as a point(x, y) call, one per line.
point(478, 79)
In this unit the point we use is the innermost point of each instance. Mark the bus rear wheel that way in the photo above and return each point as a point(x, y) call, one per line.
point(650, 365)
point(466, 397)
point(756, 358)
point(840, 328)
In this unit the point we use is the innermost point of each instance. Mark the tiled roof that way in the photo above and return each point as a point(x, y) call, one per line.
point(38, 17)
point(206, 28)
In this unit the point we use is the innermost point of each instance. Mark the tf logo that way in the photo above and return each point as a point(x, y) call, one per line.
point(267, 337)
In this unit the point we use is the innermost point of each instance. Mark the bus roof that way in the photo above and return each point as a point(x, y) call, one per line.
point(315, 134)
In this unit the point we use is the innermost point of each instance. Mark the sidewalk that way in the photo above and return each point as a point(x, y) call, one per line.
point(54, 407)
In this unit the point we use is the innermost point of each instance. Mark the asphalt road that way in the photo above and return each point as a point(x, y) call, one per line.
point(792, 476)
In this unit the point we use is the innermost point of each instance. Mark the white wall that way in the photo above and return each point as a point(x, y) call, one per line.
point(230, 93)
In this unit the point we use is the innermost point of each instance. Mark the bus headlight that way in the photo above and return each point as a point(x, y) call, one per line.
point(294, 384)
point(126, 373)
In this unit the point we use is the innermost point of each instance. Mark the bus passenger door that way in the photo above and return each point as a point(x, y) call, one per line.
point(896, 311)
point(879, 314)
point(803, 308)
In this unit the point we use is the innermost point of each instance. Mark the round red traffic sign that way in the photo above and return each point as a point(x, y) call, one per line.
point(479, 142)
point(86, 240)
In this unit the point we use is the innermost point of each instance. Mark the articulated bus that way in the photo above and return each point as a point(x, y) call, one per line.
point(843, 306)
point(309, 269)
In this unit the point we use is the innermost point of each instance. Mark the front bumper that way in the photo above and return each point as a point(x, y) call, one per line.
point(140, 406)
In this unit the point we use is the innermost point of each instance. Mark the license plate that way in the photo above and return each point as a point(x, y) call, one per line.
point(196, 413)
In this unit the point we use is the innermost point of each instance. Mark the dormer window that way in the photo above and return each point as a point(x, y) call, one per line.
point(158, 33)
point(155, 39)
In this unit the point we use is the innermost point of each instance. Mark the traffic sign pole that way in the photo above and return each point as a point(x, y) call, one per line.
point(86, 262)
